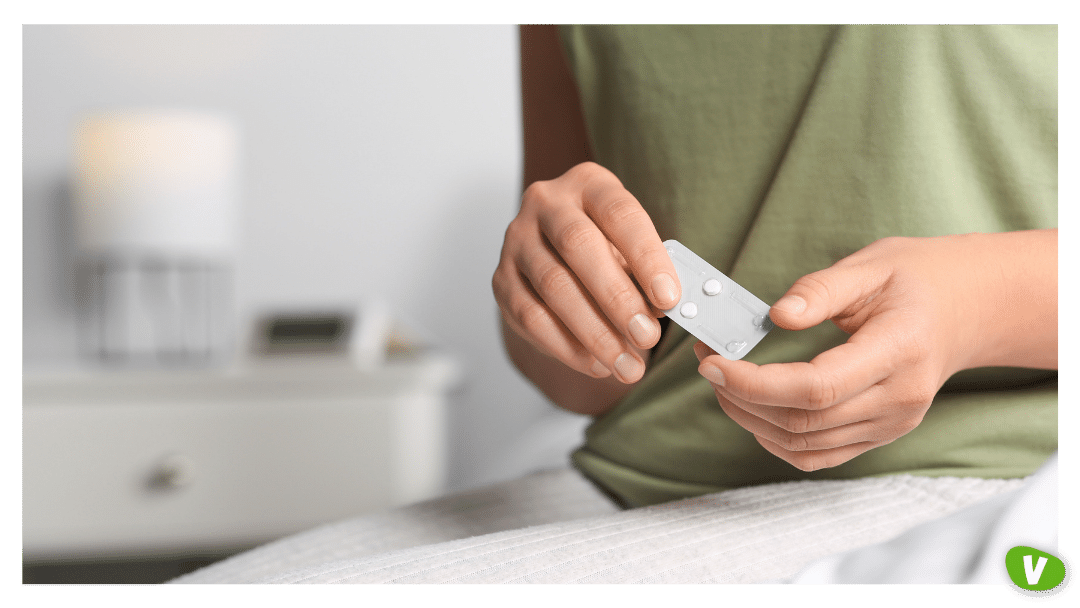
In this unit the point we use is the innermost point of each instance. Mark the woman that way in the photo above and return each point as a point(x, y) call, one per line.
point(785, 156)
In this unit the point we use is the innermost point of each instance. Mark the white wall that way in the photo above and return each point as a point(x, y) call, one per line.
point(380, 162)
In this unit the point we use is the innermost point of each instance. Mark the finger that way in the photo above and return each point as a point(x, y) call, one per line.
point(588, 254)
point(832, 377)
point(654, 312)
point(566, 352)
point(626, 224)
point(845, 434)
point(528, 317)
point(826, 294)
point(887, 410)
point(564, 295)
point(815, 460)
point(800, 420)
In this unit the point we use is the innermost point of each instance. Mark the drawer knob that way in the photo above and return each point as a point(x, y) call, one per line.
point(173, 472)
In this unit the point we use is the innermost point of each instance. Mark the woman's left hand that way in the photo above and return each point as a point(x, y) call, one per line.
point(918, 310)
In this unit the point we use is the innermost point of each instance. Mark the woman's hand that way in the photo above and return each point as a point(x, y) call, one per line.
point(583, 274)
point(918, 310)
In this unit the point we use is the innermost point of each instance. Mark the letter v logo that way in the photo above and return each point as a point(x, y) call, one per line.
point(1033, 574)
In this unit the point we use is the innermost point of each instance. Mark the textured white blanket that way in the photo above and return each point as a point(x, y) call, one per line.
point(553, 527)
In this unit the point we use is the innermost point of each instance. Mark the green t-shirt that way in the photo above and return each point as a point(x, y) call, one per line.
point(773, 152)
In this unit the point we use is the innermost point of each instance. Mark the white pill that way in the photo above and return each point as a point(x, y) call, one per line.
point(711, 287)
point(688, 310)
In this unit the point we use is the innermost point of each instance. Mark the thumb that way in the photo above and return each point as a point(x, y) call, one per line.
point(823, 295)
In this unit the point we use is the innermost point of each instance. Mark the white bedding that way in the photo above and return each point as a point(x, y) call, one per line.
point(555, 528)
point(968, 546)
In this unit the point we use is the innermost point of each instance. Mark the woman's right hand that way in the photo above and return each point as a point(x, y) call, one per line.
point(583, 275)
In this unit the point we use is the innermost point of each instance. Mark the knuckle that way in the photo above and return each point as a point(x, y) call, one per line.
point(923, 395)
point(745, 389)
point(555, 282)
point(498, 285)
point(801, 442)
point(575, 235)
point(513, 231)
point(749, 387)
point(795, 420)
point(519, 233)
point(584, 168)
point(909, 355)
point(793, 442)
point(622, 210)
point(909, 351)
point(536, 192)
point(647, 259)
point(502, 284)
point(622, 298)
point(532, 317)
point(822, 392)
point(603, 343)
point(816, 284)
point(889, 242)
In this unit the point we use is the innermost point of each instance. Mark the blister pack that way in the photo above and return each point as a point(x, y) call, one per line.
point(715, 309)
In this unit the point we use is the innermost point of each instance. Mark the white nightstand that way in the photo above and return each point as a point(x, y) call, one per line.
point(129, 464)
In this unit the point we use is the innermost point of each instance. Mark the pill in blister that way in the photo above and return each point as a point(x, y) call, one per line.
point(688, 310)
point(711, 287)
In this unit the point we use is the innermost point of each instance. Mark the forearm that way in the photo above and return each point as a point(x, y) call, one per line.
point(565, 387)
point(553, 127)
point(1017, 299)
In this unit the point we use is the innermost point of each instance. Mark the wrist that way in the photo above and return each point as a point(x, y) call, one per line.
point(1015, 299)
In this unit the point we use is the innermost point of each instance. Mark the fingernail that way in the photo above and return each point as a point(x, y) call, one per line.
point(599, 370)
point(665, 290)
point(790, 304)
point(628, 368)
point(712, 374)
point(643, 329)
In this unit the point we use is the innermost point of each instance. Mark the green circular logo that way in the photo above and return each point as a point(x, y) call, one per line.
point(1038, 575)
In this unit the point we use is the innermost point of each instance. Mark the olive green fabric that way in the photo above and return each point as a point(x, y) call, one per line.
point(774, 151)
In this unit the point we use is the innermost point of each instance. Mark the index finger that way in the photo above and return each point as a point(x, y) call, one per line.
point(628, 226)
point(830, 378)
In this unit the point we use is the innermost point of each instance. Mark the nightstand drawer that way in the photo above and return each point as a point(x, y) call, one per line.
point(173, 475)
